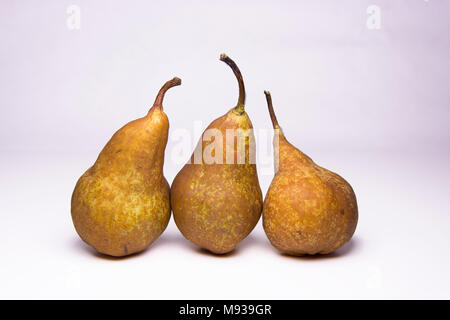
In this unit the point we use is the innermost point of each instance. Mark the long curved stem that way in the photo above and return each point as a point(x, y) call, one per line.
point(241, 100)
point(169, 84)
point(273, 117)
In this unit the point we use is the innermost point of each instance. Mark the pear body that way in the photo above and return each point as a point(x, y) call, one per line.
point(217, 205)
point(122, 203)
point(308, 209)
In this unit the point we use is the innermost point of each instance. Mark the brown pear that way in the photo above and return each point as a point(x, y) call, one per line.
point(216, 198)
point(121, 204)
point(308, 209)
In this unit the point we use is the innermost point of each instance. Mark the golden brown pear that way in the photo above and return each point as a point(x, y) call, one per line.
point(216, 198)
point(122, 203)
point(307, 209)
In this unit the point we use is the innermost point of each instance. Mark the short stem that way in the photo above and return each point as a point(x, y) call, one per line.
point(273, 117)
point(241, 100)
point(169, 84)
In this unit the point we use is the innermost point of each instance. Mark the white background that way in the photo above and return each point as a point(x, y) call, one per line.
point(371, 105)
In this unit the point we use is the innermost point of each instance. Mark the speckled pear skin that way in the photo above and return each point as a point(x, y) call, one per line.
point(216, 206)
point(308, 210)
point(122, 203)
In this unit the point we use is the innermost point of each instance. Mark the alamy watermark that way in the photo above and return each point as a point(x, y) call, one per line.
point(226, 146)
point(73, 21)
point(374, 19)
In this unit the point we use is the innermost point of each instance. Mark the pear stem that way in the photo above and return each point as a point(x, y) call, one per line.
point(241, 100)
point(273, 117)
point(169, 84)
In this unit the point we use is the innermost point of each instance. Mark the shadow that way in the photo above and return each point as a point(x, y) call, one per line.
point(254, 240)
point(250, 241)
point(113, 258)
point(82, 246)
point(176, 238)
point(170, 239)
point(215, 255)
point(352, 245)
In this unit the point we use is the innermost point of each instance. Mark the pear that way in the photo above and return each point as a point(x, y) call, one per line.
point(308, 209)
point(217, 202)
point(121, 204)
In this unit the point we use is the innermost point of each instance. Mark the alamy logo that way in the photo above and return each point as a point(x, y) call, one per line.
point(73, 21)
point(374, 19)
point(228, 146)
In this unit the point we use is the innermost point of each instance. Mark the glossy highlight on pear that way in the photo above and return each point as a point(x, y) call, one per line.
point(121, 204)
point(308, 210)
point(216, 205)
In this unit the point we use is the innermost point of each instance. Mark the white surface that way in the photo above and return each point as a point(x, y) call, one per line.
point(400, 249)
point(371, 105)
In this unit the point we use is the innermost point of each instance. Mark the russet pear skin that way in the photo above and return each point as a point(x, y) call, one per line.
point(216, 206)
point(308, 210)
point(122, 203)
